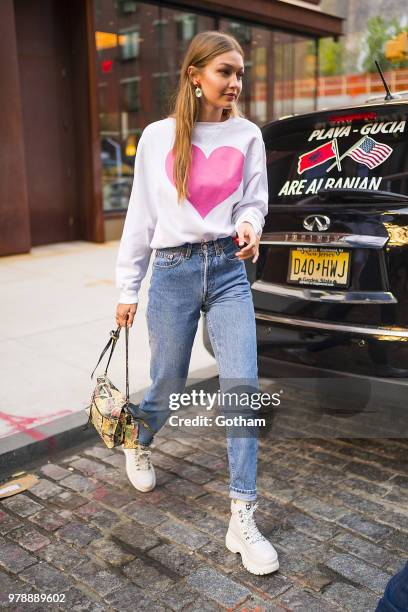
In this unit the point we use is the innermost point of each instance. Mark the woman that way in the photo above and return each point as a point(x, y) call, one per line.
point(200, 178)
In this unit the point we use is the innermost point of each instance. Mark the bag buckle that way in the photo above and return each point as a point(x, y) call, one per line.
point(114, 334)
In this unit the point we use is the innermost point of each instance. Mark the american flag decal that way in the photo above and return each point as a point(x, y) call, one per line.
point(370, 152)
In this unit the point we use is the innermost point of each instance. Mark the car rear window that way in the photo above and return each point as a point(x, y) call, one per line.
point(360, 148)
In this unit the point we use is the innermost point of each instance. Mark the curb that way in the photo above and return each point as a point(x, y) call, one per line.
point(20, 450)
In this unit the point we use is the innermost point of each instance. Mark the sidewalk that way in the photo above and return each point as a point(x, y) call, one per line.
point(58, 307)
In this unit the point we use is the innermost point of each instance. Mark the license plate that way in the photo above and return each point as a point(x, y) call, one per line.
point(328, 267)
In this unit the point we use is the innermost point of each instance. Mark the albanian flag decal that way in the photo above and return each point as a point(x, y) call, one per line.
point(318, 156)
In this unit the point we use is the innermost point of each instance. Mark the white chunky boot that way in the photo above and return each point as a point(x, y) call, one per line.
point(257, 554)
point(139, 468)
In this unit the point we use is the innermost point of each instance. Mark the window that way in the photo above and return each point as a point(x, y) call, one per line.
point(129, 43)
point(241, 32)
point(186, 27)
point(130, 95)
point(127, 6)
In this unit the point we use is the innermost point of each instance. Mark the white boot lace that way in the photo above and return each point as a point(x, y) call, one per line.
point(142, 459)
point(250, 530)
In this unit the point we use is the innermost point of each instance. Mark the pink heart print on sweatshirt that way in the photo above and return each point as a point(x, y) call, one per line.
point(211, 179)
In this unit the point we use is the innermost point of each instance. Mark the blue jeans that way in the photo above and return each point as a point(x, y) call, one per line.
point(395, 598)
point(187, 280)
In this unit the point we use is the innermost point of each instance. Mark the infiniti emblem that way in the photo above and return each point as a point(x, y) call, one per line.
point(316, 222)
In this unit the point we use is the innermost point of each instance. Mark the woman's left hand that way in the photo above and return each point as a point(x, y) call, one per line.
point(246, 233)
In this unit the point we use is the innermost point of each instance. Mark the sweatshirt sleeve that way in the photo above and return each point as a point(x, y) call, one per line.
point(134, 248)
point(253, 207)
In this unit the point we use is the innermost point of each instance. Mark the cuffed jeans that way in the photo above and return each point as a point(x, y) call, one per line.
point(187, 280)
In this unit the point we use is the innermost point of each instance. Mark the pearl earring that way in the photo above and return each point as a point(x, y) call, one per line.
point(198, 92)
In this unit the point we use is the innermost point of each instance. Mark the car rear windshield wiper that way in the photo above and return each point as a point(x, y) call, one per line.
point(353, 195)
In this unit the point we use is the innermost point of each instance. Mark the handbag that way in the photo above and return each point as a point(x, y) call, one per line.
point(109, 410)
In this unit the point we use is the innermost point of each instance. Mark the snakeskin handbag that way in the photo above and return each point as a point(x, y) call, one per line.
point(109, 410)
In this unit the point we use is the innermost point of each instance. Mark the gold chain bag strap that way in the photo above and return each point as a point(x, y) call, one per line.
point(109, 410)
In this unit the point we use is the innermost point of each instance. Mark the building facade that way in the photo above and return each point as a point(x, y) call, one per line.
point(82, 78)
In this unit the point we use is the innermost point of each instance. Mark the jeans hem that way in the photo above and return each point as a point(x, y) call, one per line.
point(244, 495)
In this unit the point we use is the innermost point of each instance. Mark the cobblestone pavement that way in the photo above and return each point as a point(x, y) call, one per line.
point(335, 509)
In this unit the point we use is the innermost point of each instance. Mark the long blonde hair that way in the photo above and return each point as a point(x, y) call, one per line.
point(203, 48)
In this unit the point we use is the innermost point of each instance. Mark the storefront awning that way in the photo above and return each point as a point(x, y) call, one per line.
point(290, 15)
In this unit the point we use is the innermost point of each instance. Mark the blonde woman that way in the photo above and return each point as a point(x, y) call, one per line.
point(199, 180)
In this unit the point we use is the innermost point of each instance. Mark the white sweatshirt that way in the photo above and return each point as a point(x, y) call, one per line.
point(227, 186)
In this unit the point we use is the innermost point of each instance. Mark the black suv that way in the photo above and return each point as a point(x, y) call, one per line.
point(330, 287)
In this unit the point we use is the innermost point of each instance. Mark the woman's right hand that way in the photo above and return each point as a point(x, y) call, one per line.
point(125, 312)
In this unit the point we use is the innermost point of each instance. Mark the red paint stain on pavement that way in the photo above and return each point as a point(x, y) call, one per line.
point(24, 424)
